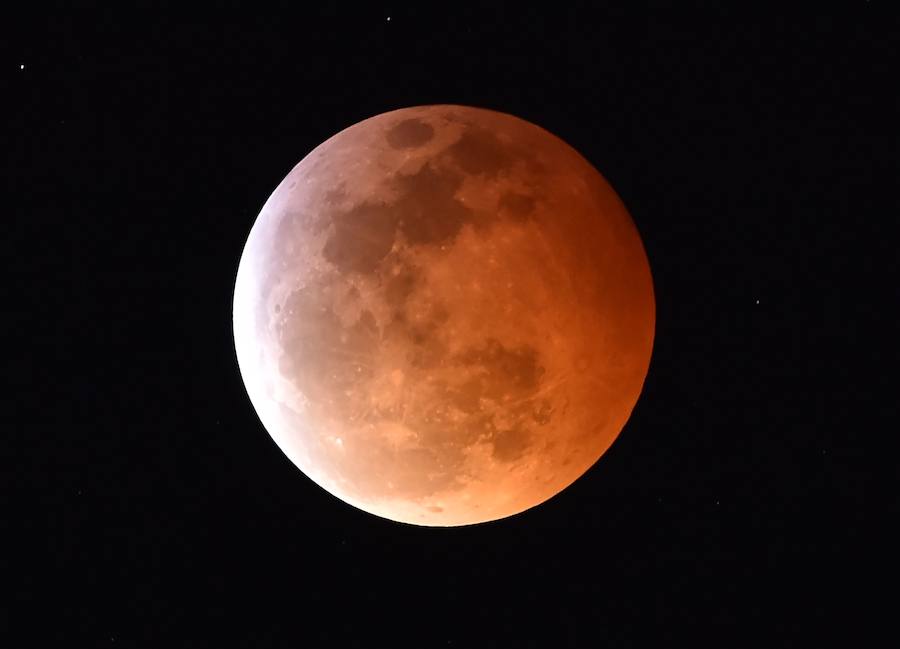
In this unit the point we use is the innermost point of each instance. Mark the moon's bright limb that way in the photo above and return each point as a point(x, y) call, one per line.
point(444, 315)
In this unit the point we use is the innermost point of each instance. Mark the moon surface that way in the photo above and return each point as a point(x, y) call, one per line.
point(443, 315)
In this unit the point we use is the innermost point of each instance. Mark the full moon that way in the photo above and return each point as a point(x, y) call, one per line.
point(444, 315)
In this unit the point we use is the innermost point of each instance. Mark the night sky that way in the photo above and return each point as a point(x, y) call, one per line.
point(145, 505)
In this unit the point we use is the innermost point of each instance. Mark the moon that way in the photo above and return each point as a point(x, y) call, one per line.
point(443, 315)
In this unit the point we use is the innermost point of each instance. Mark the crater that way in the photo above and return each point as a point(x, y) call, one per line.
point(479, 151)
point(422, 347)
point(509, 445)
point(409, 473)
point(399, 285)
point(428, 211)
point(518, 206)
point(319, 356)
point(517, 368)
point(466, 395)
point(409, 134)
point(423, 333)
point(362, 237)
point(542, 413)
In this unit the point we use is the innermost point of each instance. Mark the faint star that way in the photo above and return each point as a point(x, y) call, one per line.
point(757, 301)
point(717, 502)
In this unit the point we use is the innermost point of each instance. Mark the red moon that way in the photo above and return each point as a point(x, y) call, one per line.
point(444, 315)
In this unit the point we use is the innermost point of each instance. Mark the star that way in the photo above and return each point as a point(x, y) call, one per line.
point(389, 19)
point(21, 66)
point(757, 301)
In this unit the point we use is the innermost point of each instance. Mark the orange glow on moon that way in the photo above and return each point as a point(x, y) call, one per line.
point(444, 315)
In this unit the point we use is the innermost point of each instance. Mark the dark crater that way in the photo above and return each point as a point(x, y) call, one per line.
point(399, 286)
point(362, 237)
point(479, 151)
point(516, 367)
point(426, 213)
point(510, 445)
point(409, 134)
point(518, 206)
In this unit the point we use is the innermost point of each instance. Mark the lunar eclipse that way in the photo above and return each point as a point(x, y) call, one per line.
point(444, 315)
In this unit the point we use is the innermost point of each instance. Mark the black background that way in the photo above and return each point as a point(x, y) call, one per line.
point(146, 505)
